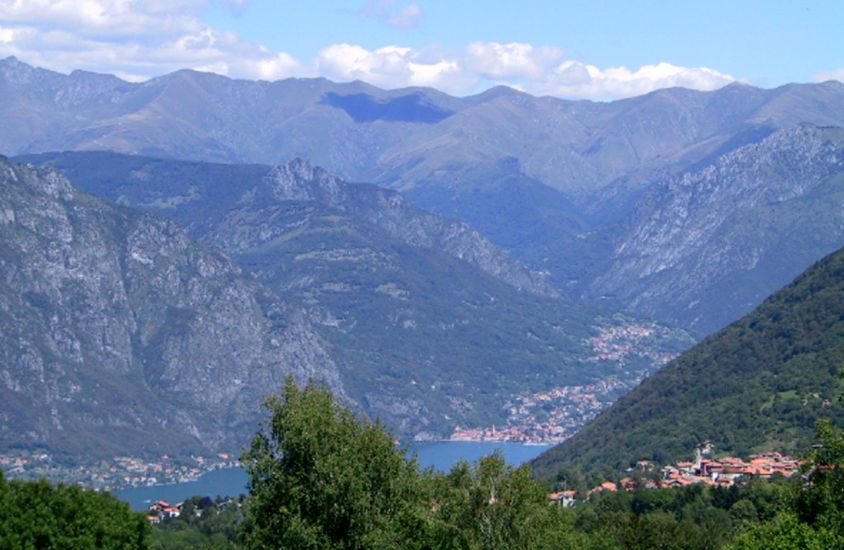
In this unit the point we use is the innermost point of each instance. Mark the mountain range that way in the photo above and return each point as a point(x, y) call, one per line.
point(565, 187)
point(500, 238)
point(431, 325)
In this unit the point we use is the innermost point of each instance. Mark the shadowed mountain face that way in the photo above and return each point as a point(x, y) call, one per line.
point(408, 108)
point(758, 385)
point(431, 325)
point(119, 334)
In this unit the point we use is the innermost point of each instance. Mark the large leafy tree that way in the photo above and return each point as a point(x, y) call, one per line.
point(37, 514)
point(321, 478)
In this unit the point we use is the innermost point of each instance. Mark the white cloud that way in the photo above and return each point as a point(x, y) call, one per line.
point(408, 18)
point(837, 74)
point(540, 71)
point(134, 38)
point(511, 61)
point(106, 18)
point(577, 80)
point(390, 13)
point(140, 39)
point(392, 67)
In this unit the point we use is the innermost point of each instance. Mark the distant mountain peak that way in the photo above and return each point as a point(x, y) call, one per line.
point(299, 180)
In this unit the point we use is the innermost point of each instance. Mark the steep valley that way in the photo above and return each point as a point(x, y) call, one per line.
point(431, 325)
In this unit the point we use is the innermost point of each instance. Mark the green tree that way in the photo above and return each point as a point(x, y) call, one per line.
point(493, 505)
point(786, 532)
point(821, 502)
point(321, 478)
point(39, 515)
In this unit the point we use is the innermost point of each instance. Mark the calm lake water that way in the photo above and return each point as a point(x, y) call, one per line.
point(440, 455)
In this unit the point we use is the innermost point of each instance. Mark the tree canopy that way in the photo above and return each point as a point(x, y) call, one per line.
point(39, 515)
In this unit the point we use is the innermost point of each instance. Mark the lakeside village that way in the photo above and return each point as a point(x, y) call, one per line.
point(723, 472)
point(121, 472)
point(552, 416)
point(544, 417)
point(163, 510)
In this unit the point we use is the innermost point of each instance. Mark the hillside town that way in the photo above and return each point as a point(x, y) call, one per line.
point(722, 472)
point(554, 415)
point(625, 342)
point(194, 507)
point(548, 416)
point(118, 473)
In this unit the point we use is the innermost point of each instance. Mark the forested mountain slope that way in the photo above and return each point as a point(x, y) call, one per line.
point(759, 384)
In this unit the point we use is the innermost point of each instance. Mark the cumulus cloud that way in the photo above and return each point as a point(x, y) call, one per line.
point(137, 39)
point(537, 70)
point(392, 67)
point(106, 18)
point(580, 81)
point(511, 61)
point(132, 38)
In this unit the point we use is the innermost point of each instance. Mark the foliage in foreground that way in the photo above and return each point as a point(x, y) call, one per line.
point(322, 479)
point(36, 514)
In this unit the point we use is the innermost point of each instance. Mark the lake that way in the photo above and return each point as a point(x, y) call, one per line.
point(440, 455)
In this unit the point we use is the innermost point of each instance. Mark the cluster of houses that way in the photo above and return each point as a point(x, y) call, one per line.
point(726, 471)
point(163, 510)
point(723, 472)
point(548, 416)
point(619, 343)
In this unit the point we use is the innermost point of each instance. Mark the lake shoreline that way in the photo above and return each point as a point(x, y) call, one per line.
point(232, 481)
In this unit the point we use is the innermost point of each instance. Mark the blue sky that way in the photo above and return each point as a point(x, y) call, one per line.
point(597, 50)
point(770, 43)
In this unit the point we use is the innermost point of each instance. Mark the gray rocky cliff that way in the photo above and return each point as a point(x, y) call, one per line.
point(120, 335)
point(707, 245)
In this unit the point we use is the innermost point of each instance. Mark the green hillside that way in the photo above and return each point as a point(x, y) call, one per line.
point(759, 384)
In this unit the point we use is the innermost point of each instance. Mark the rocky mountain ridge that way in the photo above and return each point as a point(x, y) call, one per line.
point(431, 325)
point(705, 246)
point(400, 138)
point(557, 184)
point(297, 180)
point(120, 334)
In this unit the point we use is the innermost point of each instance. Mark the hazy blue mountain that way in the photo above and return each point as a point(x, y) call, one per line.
point(704, 247)
point(758, 385)
point(120, 335)
point(560, 185)
point(401, 138)
point(430, 324)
